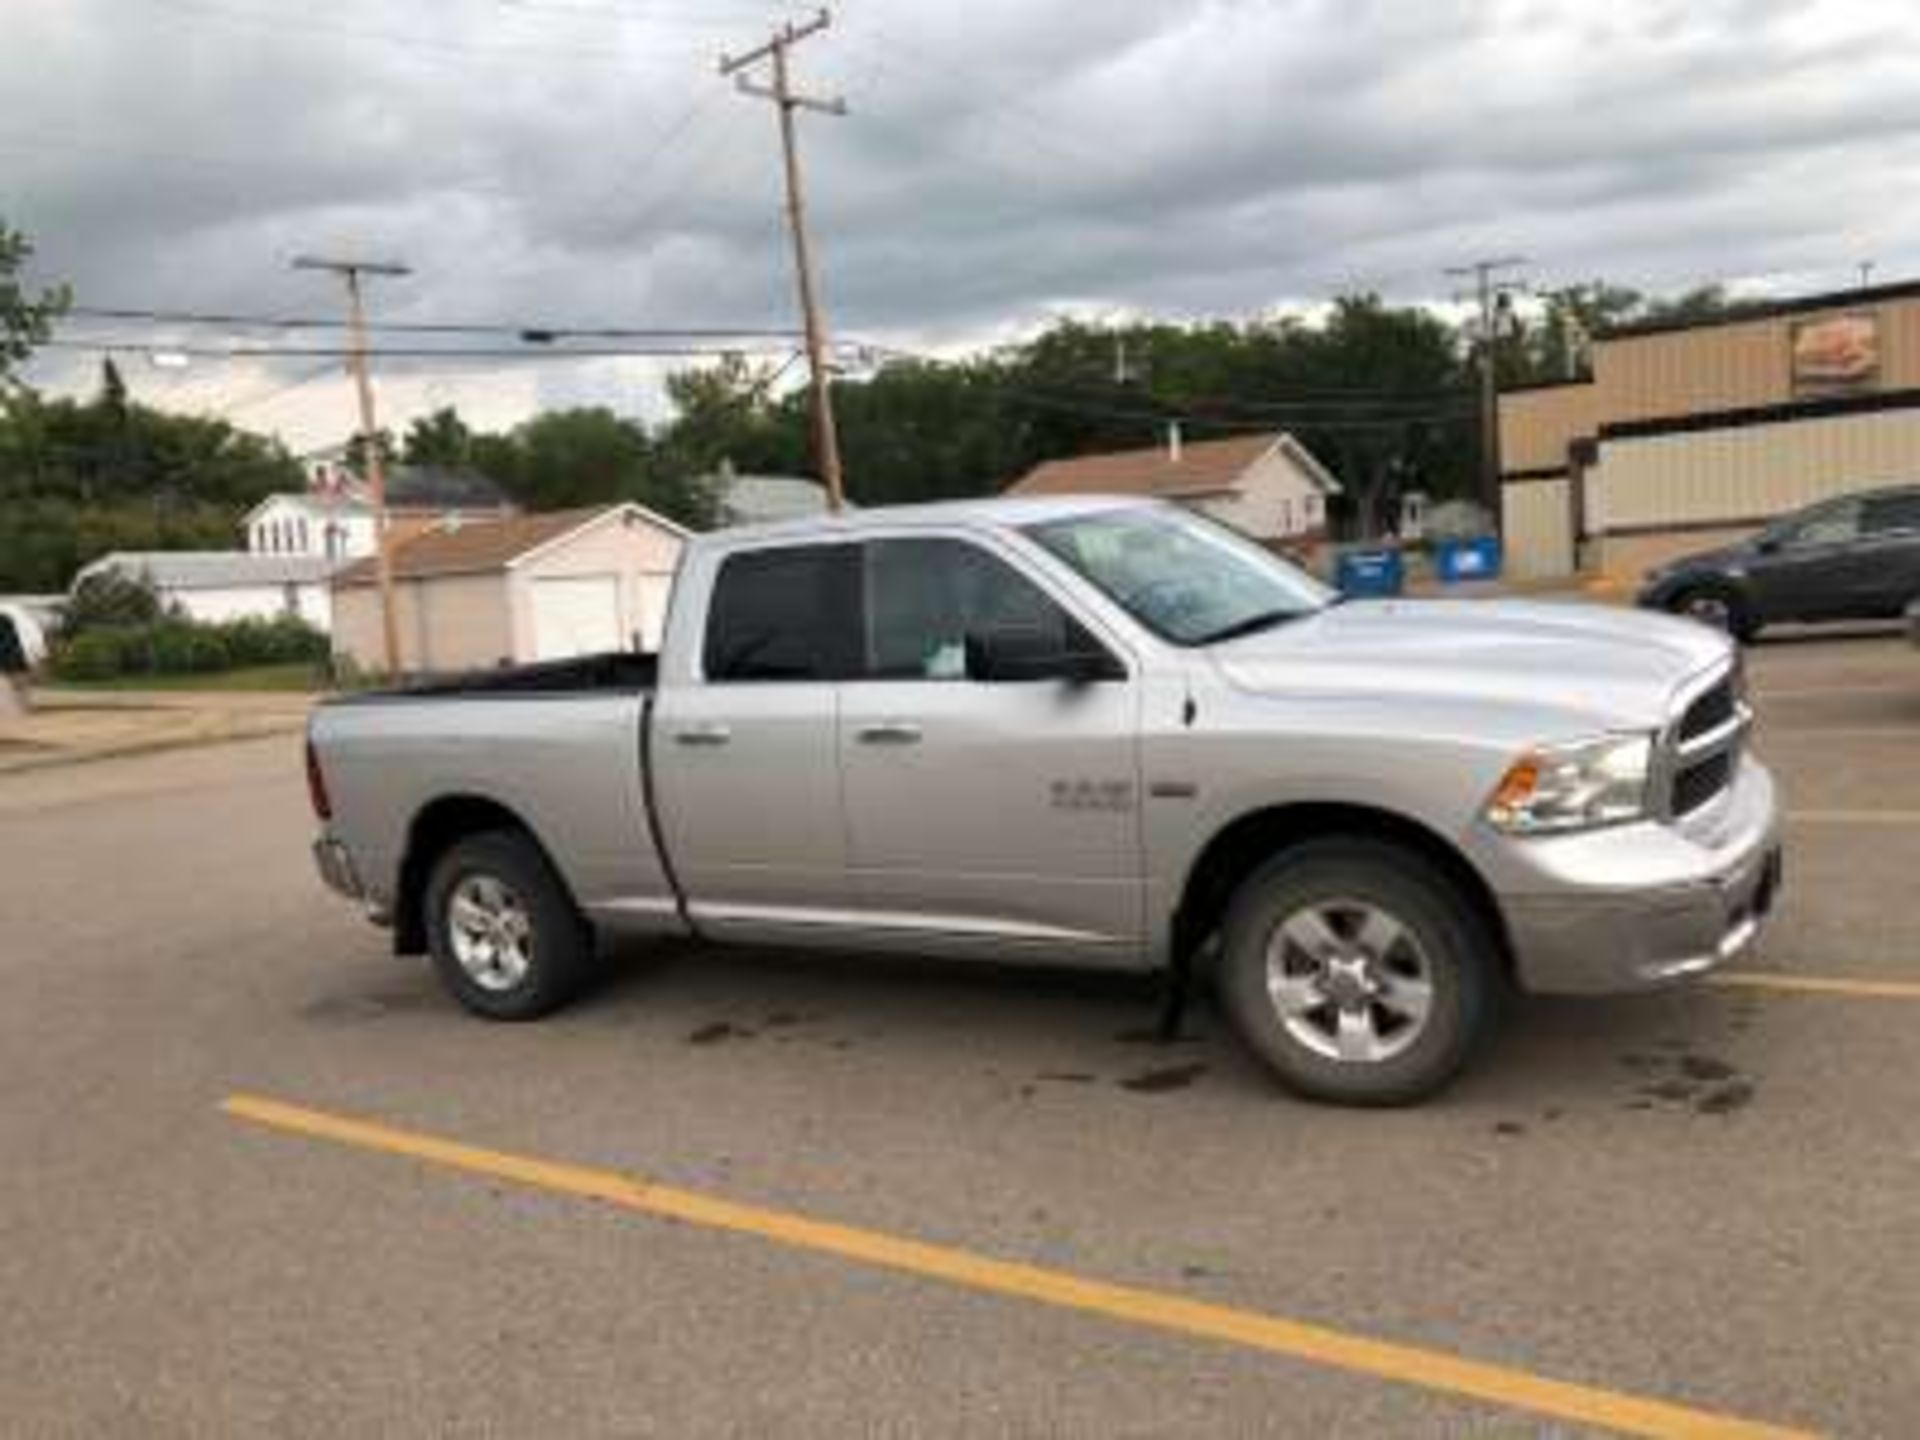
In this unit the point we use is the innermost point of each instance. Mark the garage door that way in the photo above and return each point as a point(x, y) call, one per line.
point(578, 615)
point(654, 592)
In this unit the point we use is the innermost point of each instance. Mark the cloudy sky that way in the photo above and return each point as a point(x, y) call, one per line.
point(579, 162)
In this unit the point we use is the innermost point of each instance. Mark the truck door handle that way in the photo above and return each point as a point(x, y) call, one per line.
point(704, 735)
point(890, 732)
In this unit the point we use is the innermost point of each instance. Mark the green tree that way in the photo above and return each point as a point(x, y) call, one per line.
point(723, 414)
point(24, 317)
point(441, 438)
point(81, 478)
point(355, 456)
point(588, 456)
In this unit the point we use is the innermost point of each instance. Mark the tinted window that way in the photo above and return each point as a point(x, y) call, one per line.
point(1831, 525)
point(785, 614)
point(925, 596)
point(1885, 514)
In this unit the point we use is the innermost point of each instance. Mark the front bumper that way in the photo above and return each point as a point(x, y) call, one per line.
point(1646, 905)
point(330, 858)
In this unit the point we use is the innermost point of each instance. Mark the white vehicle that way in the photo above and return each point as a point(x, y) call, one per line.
point(1087, 731)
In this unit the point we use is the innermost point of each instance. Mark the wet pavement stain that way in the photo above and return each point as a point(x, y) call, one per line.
point(366, 1007)
point(780, 1019)
point(1066, 1077)
point(1705, 1067)
point(1725, 1099)
point(1509, 1127)
point(1674, 1091)
point(1150, 1035)
point(1705, 1083)
point(718, 1031)
point(1171, 1077)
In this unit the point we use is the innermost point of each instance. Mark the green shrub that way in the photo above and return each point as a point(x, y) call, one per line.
point(283, 640)
point(175, 645)
point(110, 598)
point(93, 655)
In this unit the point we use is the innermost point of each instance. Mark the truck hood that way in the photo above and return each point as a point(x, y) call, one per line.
point(1617, 668)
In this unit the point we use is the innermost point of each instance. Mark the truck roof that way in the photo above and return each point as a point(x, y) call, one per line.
point(1007, 511)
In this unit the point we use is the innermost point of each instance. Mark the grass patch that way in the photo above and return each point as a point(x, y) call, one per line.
point(297, 676)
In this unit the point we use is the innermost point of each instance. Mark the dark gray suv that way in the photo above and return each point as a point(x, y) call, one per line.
point(1852, 558)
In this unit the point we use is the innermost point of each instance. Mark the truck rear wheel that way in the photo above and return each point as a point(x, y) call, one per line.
point(1358, 972)
point(505, 937)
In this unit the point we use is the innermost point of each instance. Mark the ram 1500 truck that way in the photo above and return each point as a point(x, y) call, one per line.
point(1082, 731)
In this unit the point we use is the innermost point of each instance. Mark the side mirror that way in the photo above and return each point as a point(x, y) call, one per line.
point(1013, 654)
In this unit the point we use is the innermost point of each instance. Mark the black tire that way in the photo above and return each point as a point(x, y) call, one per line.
point(556, 957)
point(1718, 606)
point(1442, 935)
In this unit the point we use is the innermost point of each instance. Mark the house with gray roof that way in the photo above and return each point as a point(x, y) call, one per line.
point(217, 585)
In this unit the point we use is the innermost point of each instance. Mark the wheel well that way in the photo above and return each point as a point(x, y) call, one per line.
point(435, 829)
point(1253, 839)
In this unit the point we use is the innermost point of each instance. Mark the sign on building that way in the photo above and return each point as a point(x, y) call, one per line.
point(1835, 354)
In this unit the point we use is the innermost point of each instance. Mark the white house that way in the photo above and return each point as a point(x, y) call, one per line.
point(217, 585)
point(762, 499)
point(531, 587)
point(1267, 486)
point(333, 521)
point(311, 525)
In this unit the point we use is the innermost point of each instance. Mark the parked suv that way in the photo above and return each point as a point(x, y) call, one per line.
point(1854, 558)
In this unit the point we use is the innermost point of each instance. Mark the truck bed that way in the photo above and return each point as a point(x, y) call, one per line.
point(619, 671)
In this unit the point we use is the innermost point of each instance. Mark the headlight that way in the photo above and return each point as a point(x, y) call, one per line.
point(1556, 788)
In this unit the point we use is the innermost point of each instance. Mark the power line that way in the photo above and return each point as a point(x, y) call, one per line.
point(273, 392)
point(532, 333)
point(460, 353)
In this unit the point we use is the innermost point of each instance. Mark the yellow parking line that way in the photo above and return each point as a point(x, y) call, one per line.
point(1819, 985)
point(1406, 1364)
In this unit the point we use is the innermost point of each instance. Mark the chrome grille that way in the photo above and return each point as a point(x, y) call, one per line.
point(1703, 748)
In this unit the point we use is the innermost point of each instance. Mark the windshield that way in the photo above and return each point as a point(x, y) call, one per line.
point(1186, 578)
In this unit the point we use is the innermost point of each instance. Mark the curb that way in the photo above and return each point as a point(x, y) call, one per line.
point(31, 763)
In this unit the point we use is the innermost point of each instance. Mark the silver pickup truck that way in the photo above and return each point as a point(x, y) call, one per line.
point(1081, 731)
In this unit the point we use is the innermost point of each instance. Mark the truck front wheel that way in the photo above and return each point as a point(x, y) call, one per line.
point(506, 939)
point(1358, 971)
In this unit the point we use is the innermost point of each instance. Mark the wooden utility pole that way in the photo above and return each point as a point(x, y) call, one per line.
point(351, 271)
point(1490, 293)
point(826, 437)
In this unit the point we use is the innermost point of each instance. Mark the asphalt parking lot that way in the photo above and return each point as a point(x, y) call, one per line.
point(260, 1176)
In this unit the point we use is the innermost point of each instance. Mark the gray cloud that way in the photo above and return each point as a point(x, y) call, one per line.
point(579, 160)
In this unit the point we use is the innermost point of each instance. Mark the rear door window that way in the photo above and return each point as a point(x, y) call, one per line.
point(925, 596)
point(1891, 514)
point(788, 614)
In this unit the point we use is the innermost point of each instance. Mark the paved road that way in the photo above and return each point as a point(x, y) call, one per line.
point(1706, 1198)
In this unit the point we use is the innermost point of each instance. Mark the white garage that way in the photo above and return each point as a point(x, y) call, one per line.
point(575, 615)
point(531, 587)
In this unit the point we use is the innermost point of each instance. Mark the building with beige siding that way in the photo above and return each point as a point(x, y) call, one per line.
point(1268, 486)
point(530, 587)
point(1690, 434)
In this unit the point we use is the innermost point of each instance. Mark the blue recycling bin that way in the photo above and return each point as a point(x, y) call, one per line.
point(1475, 559)
point(1370, 573)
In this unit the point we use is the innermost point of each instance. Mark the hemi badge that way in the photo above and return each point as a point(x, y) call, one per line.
point(1173, 789)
